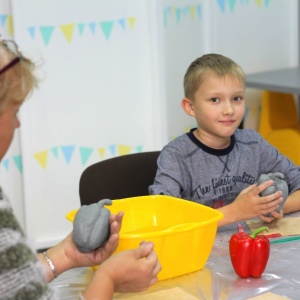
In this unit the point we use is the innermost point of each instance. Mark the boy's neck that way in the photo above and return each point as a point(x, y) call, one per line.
point(215, 143)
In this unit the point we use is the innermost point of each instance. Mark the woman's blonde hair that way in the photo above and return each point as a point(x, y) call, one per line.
point(17, 82)
point(208, 64)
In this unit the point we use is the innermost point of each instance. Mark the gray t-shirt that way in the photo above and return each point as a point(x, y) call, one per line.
point(190, 170)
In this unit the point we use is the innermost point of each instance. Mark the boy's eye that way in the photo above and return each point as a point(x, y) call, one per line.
point(214, 99)
point(238, 98)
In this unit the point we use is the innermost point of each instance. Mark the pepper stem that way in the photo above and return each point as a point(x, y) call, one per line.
point(255, 232)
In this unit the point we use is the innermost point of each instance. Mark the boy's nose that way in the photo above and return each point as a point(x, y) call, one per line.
point(228, 108)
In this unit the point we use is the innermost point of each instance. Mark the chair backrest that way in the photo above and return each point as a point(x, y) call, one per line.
point(118, 177)
point(278, 111)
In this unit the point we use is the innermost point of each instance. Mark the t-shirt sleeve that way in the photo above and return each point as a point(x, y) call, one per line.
point(170, 178)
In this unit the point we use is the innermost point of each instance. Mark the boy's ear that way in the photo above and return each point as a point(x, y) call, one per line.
point(187, 106)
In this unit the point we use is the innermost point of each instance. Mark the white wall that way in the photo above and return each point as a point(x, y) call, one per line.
point(95, 101)
point(112, 84)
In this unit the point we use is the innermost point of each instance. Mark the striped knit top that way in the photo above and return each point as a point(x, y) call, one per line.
point(20, 273)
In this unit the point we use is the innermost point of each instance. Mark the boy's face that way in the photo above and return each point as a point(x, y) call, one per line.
point(218, 107)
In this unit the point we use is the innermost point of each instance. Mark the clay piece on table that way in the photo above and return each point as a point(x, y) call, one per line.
point(91, 227)
point(279, 185)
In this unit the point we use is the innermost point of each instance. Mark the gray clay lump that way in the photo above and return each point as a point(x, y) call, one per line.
point(91, 227)
point(279, 185)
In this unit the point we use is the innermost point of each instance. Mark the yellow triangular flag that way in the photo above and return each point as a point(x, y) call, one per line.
point(174, 9)
point(131, 21)
point(101, 152)
point(10, 25)
point(122, 149)
point(193, 12)
point(68, 30)
point(259, 2)
point(187, 129)
point(41, 157)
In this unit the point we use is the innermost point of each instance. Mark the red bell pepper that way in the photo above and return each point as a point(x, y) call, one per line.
point(249, 253)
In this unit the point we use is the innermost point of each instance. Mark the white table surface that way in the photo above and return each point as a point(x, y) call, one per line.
point(216, 281)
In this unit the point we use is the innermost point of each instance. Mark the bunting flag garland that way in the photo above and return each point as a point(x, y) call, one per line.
point(68, 29)
point(192, 11)
point(232, 3)
point(68, 152)
point(178, 13)
point(85, 153)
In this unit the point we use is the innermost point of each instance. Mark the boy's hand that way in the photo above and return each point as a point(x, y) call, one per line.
point(250, 204)
point(274, 215)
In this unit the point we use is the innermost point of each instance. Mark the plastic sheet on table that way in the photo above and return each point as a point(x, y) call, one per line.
point(216, 281)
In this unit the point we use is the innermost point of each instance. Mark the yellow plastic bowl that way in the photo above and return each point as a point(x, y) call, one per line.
point(183, 231)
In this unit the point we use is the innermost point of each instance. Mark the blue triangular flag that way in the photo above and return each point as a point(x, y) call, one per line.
point(68, 152)
point(107, 28)
point(18, 161)
point(85, 154)
point(46, 32)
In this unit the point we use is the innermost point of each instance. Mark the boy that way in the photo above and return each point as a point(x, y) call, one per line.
point(217, 164)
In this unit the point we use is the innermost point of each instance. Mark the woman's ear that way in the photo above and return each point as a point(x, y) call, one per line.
point(188, 107)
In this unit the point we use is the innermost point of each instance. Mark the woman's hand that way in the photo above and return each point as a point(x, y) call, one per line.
point(99, 255)
point(65, 255)
point(127, 271)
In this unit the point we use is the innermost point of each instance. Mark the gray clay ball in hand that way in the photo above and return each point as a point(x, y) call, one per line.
point(279, 185)
point(91, 227)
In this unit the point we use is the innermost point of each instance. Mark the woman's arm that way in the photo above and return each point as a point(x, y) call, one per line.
point(65, 255)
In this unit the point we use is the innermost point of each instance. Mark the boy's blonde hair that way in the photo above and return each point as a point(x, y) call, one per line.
point(17, 82)
point(207, 64)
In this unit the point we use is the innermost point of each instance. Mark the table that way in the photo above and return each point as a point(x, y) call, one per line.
point(217, 281)
point(283, 80)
